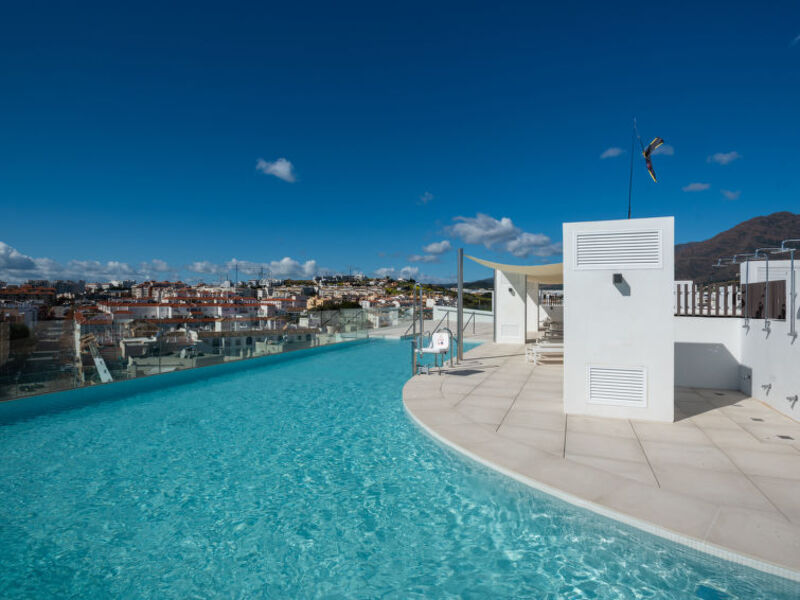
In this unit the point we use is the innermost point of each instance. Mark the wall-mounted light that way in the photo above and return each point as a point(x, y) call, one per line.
point(511, 291)
point(621, 285)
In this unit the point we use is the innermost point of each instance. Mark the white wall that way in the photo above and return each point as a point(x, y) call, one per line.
point(724, 353)
point(510, 293)
point(708, 352)
point(629, 326)
point(772, 358)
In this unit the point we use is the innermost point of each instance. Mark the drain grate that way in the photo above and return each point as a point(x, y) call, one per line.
point(786, 437)
point(719, 393)
point(756, 419)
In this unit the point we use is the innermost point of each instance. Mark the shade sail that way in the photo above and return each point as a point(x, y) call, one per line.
point(542, 273)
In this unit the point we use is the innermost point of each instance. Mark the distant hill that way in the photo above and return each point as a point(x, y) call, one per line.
point(471, 285)
point(694, 260)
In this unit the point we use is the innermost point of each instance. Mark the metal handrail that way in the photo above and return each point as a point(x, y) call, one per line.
point(446, 315)
point(471, 318)
point(413, 323)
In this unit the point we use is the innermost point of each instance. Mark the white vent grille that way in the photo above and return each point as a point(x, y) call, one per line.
point(625, 386)
point(618, 249)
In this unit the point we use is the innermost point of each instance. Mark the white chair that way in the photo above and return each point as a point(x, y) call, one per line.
point(439, 346)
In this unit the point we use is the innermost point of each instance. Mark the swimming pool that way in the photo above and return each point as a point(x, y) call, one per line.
point(305, 478)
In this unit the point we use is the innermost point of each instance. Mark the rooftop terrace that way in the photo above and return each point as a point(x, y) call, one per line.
point(724, 478)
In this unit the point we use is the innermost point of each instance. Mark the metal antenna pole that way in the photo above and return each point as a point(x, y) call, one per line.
point(460, 307)
point(421, 319)
point(630, 176)
point(747, 293)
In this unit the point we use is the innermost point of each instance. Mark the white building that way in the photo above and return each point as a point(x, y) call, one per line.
point(628, 336)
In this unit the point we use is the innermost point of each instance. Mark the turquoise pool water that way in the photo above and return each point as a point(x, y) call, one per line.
point(305, 479)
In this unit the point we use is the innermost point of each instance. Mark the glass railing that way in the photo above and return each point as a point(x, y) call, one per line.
point(42, 355)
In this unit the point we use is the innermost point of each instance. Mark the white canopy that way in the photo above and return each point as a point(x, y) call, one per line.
point(547, 274)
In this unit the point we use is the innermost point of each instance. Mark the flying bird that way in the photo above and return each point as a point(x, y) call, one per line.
point(647, 152)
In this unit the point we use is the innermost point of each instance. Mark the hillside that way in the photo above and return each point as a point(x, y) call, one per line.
point(694, 259)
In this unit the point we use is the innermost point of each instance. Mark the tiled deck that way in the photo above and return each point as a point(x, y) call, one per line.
point(720, 476)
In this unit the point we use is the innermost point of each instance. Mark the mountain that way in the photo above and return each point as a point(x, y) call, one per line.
point(694, 259)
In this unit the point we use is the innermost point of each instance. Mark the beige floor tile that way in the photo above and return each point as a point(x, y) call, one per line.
point(511, 454)
point(597, 425)
point(574, 478)
point(535, 418)
point(784, 494)
point(466, 435)
point(714, 420)
point(677, 512)
point(590, 444)
point(718, 487)
point(501, 392)
point(690, 455)
point(539, 407)
point(480, 414)
point(681, 433)
point(753, 416)
point(770, 464)
point(476, 399)
point(757, 534)
point(637, 471)
point(739, 438)
point(772, 433)
point(546, 440)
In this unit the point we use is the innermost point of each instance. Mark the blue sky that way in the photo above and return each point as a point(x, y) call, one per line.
point(153, 138)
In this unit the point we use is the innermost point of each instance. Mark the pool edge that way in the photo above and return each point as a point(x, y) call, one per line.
point(646, 526)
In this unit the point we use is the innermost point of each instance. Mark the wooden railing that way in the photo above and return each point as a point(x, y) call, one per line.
point(711, 300)
point(729, 300)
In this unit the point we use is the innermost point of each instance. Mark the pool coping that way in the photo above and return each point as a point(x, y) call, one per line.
point(646, 526)
point(695, 543)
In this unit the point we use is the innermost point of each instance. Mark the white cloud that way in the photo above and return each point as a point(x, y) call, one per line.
point(204, 267)
point(724, 158)
point(281, 168)
point(425, 198)
point(612, 152)
point(488, 231)
point(483, 229)
point(157, 265)
point(407, 272)
point(731, 195)
point(696, 187)
point(286, 267)
point(16, 267)
point(664, 150)
point(438, 247)
point(536, 244)
point(423, 258)
point(13, 260)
